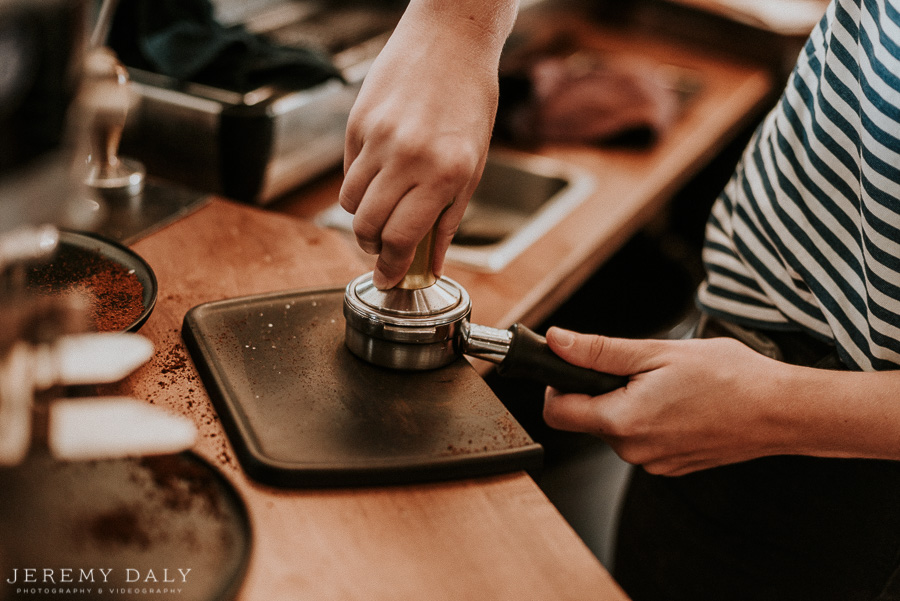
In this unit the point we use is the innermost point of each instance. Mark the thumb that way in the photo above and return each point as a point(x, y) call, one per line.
point(619, 356)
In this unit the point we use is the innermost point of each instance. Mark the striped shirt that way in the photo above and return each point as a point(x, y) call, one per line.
point(806, 235)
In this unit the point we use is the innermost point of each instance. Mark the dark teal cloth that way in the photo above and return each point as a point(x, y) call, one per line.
point(182, 39)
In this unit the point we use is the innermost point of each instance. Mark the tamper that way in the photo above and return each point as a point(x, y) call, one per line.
point(423, 323)
point(108, 99)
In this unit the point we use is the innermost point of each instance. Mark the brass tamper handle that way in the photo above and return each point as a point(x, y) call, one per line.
point(421, 273)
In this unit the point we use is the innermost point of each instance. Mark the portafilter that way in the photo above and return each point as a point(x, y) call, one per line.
point(423, 323)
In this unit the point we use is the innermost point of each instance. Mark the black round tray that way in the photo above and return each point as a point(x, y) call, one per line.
point(77, 253)
point(135, 527)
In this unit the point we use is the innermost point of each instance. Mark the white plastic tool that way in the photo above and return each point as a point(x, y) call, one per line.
point(16, 395)
point(98, 428)
point(90, 359)
point(85, 428)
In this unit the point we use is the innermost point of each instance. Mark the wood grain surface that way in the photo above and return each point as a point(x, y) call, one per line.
point(494, 538)
point(491, 538)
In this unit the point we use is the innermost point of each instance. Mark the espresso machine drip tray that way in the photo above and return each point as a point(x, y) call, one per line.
point(302, 411)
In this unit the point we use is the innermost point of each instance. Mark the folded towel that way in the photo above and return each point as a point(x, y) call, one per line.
point(182, 39)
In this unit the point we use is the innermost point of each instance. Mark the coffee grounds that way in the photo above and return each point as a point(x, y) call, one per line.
point(121, 526)
point(113, 294)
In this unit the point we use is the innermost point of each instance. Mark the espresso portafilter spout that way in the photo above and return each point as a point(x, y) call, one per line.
point(423, 323)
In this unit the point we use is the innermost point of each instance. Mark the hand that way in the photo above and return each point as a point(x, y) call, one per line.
point(418, 134)
point(689, 404)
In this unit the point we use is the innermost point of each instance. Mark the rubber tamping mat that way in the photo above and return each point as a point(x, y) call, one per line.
point(166, 526)
point(302, 411)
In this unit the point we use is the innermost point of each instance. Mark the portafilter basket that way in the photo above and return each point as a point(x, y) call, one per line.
point(423, 323)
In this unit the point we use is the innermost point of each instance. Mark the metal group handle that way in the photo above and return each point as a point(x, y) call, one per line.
point(521, 353)
point(518, 351)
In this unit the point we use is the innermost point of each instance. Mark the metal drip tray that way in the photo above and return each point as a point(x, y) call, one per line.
point(519, 199)
point(302, 411)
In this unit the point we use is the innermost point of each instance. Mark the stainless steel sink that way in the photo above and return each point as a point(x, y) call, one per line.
point(520, 197)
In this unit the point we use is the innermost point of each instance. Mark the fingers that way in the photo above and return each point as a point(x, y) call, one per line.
point(447, 228)
point(370, 193)
point(581, 412)
point(574, 412)
point(452, 217)
point(395, 208)
point(373, 211)
point(678, 466)
point(619, 356)
point(407, 225)
point(358, 175)
point(596, 416)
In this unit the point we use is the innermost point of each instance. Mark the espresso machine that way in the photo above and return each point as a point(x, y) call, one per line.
point(49, 188)
point(40, 43)
point(84, 477)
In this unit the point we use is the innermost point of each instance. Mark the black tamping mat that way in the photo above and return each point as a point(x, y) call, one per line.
point(302, 411)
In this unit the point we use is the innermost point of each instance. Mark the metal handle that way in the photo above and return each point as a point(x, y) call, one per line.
point(421, 273)
point(530, 357)
point(520, 353)
point(108, 97)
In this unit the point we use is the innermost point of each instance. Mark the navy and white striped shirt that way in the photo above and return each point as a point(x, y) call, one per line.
point(806, 235)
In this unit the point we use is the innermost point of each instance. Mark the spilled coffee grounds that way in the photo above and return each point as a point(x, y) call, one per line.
point(113, 293)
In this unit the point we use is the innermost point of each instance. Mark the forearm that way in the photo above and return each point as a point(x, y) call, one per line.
point(419, 132)
point(837, 413)
point(481, 25)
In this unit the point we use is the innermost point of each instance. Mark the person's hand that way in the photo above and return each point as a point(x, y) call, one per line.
point(418, 135)
point(689, 404)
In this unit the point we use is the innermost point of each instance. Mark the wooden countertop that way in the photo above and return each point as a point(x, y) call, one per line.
point(496, 538)
point(488, 538)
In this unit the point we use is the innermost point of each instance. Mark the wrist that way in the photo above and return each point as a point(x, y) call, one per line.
point(829, 413)
point(786, 416)
point(478, 27)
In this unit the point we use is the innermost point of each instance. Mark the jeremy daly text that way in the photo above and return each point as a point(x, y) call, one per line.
point(97, 576)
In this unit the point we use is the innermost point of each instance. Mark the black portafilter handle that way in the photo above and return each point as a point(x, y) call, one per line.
point(521, 353)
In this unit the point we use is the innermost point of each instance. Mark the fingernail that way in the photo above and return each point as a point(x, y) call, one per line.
point(563, 338)
point(379, 281)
